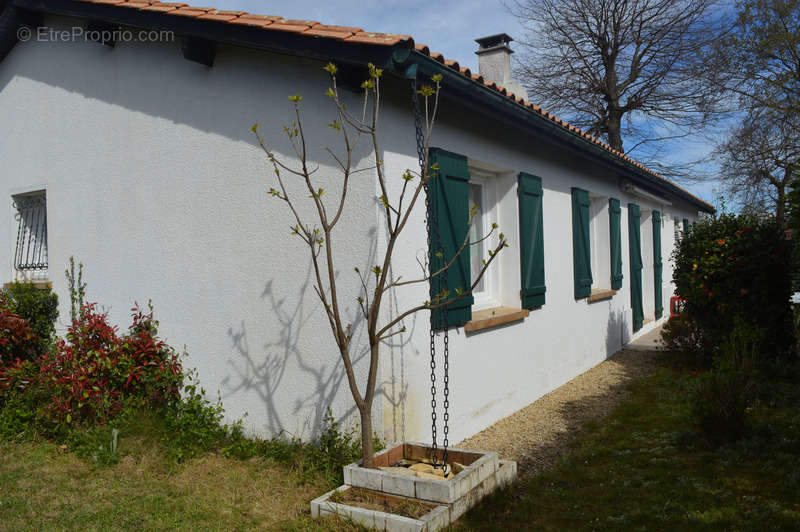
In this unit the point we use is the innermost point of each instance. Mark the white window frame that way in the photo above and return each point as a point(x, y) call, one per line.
point(601, 273)
point(489, 297)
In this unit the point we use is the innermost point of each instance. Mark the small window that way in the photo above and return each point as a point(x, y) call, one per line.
point(482, 198)
point(677, 230)
point(30, 250)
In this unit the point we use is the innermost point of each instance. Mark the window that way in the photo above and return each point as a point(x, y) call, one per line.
point(482, 198)
point(600, 242)
point(30, 249)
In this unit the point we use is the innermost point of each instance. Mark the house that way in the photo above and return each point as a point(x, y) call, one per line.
point(126, 143)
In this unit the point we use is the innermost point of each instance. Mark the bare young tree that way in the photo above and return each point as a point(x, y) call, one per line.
point(619, 68)
point(318, 235)
point(758, 161)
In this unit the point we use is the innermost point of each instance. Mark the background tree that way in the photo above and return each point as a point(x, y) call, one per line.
point(757, 63)
point(756, 67)
point(318, 236)
point(758, 160)
point(619, 68)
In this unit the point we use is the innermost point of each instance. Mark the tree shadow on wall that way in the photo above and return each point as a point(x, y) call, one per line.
point(617, 332)
point(293, 322)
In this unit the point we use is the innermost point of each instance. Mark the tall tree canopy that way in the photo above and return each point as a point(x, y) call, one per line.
point(602, 63)
point(757, 66)
point(758, 160)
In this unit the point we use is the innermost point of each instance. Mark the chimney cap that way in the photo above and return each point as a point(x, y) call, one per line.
point(494, 42)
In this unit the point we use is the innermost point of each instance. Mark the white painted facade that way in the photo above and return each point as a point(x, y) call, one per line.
point(155, 182)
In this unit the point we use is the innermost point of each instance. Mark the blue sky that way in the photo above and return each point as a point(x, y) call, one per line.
point(447, 26)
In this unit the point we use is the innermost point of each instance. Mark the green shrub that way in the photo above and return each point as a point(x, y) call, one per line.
point(17, 340)
point(731, 268)
point(720, 398)
point(94, 374)
point(38, 307)
point(683, 339)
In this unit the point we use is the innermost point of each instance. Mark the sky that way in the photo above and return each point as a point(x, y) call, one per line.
point(449, 27)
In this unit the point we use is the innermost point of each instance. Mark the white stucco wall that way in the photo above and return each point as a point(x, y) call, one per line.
point(497, 371)
point(155, 182)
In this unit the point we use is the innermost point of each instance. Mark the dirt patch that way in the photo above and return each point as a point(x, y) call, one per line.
point(536, 436)
point(380, 502)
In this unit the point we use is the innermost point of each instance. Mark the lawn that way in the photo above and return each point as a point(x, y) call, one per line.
point(640, 468)
point(643, 468)
point(45, 487)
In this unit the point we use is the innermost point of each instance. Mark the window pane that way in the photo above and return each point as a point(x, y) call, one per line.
point(476, 252)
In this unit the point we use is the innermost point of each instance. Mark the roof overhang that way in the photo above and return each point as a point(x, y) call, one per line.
point(399, 59)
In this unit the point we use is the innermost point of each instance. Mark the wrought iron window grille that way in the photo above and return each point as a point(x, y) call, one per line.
point(30, 252)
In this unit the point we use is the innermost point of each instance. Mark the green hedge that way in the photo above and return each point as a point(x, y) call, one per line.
point(737, 269)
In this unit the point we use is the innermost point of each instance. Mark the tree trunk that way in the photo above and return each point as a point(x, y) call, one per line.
point(614, 130)
point(367, 444)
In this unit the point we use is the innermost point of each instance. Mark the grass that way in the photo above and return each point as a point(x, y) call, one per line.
point(643, 468)
point(640, 468)
point(45, 486)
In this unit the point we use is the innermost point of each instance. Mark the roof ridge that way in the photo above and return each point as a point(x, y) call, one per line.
point(315, 28)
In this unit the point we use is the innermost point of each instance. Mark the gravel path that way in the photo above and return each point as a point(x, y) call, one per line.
point(539, 434)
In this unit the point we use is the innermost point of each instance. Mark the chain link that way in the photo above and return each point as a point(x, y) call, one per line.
point(434, 242)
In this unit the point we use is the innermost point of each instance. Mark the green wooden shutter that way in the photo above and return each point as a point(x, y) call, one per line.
point(685, 226)
point(449, 192)
point(531, 241)
point(615, 233)
point(657, 264)
point(635, 245)
point(581, 258)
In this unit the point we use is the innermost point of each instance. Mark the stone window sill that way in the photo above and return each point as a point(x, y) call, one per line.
point(600, 294)
point(485, 319)
point(42, 285)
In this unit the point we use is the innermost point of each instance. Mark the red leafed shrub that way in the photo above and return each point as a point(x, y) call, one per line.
point(17, 340)
point(95, 373)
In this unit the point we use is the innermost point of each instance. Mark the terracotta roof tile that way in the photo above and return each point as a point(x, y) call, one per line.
point(328, 33)
point(356, 35)
point(223, 12)
point(250, 21)
point(283, 26)
point(188, 12)
point(217, 17)
point(348, 29)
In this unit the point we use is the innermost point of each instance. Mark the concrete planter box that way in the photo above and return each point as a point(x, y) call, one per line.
point(480, 465)
point(437, 519)
point(483, 474)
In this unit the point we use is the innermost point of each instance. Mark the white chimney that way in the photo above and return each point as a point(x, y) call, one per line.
point(494, 62)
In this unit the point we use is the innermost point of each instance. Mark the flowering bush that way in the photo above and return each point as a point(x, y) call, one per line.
point(38, 307)
point(731, 268)
point(95, 373)
point(17, 340)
